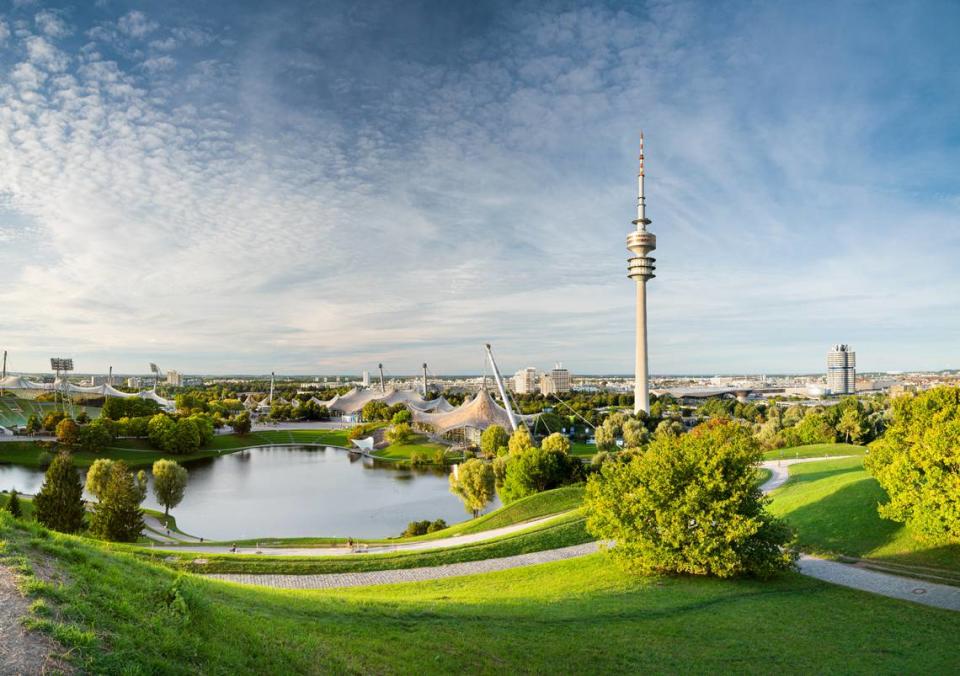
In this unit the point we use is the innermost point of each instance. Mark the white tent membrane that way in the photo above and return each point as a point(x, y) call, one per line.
point(21, 383)
point(479, 413)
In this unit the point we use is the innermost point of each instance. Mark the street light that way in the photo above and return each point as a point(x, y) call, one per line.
point(60, 365)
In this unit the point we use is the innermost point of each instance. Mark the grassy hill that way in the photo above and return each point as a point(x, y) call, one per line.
point(814, 451)
point(119, 614)
point(833, 507)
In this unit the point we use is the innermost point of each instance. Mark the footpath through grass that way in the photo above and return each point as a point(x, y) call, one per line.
point(833, 507)
point(814, 451)
point(564, 532)
point(139, 453)
point(116, 613)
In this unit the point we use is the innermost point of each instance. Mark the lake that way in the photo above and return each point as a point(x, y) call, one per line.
point(275, 491)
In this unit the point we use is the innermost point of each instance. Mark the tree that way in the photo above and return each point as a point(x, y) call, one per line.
point(815, 429)
point(520, 441)
point(59, 504)
point(33, 424)
point(96, 436)
point(403, 416)
point(492, 440)
point(169, 483)
point(13, 505)
point(689, 504)
point(186, 436)
point(917, 462)
point(536, 470)
point(606, 439)
point(400, 434)
point(160, 431)
point(473, 482)
point(67, 432)
point(241, 424)
point(669, 428)
point(375, 410)
point(635, 434)
point(98, 476)
point(850, 425)
point(117, 516)
point(556, 442)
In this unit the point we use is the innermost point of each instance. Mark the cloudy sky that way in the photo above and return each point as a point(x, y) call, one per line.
point(313, 187)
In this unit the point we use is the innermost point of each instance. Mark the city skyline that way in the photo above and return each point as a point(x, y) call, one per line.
point(240, 193)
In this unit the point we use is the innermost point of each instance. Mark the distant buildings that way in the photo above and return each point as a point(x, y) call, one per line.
point(135, 383)
point(174, 378)
point(525, 381)
point(555, 382)
point(842, 370)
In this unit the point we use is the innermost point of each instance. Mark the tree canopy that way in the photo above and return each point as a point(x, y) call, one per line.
point(117, 516)
point(169, 483)
point(917, 462)
point(59, 504)
point(689, 504)
point(473, 482)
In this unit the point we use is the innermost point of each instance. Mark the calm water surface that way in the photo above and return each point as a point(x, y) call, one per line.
point(295, 491)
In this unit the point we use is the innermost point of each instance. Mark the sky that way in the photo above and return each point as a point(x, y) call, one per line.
point(316, 187)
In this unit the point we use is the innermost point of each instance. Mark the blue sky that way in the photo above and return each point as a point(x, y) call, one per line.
point(316, 187)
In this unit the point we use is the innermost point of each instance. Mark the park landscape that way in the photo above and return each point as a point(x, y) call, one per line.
point(541, 578)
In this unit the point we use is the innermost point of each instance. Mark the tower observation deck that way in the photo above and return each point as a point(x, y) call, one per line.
point(640, 268)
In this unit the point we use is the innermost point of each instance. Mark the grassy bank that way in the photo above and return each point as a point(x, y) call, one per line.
point(833, 507)
point(139, 453)
point(420, 444)
point(814, 451)
point(565, 531)
point(119, 614)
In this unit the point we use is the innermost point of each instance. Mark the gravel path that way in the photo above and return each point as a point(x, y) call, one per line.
point(338, 580)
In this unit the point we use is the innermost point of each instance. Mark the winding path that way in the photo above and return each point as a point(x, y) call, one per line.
point(884, 584)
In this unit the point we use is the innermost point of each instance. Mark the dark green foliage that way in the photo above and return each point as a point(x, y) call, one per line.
point(537, 469)
point(59, 504)
point(13, 505)
point(415, 528)
point(690, 504)
point(117, 516)
point(917, 462)
point(241, 424)
point(115, 408)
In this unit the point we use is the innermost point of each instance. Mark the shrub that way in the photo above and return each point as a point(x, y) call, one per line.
point(13, 505)
point(689, 504)
point(415, 528)
point(400, 434)
point(439, 524)
point(418, 459)
point(917, 462)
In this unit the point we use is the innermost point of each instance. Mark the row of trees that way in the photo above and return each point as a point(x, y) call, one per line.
point(117, 515)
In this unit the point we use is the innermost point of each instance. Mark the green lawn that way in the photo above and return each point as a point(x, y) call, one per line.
point(833, 506)
point(419, 444)
point(815, 451)
point(138, 453)
point(119, 614)
point(583, 449)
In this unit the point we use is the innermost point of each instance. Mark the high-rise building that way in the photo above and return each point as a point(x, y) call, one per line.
point(842, 370)
point(525, 381)
point(640, 269)
point(555, 382)
point(135, 382)
point(174, 378)
point(366, 379)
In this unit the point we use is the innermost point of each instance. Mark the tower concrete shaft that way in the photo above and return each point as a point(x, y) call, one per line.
point(640, 268)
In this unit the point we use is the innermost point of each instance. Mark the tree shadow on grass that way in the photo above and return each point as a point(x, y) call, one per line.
point(807, 477)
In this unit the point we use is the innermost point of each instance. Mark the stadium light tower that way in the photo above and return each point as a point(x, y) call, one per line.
point(640, 269)
point(60, 365)
point(156, 375)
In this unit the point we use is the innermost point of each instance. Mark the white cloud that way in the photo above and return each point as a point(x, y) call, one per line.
point(44, 54)
point(51, 24)
point(4, 32)
point(159, 64)
point(136, 24)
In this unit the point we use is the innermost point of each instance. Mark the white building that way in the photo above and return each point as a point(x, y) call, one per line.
point(174, 378)
point(525, 381)
point(842, 370)
point(556, 382)
point(366, 379)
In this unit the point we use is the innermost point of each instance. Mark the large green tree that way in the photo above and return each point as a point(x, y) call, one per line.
point(169, 483)
point(59, 504)
point(117, 516)
point(473, 482)
point(536, 470)
point(917, 461)
point(493, 439)
point(98, 476)
point(689, 504)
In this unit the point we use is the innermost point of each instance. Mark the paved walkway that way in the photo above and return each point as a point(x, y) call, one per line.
point(157, 531)
point(339, 580)
point(441, 543)
point(884, 584)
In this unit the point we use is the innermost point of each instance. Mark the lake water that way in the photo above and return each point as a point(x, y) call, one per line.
point(295, 491)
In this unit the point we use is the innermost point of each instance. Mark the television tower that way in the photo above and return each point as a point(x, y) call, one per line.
point(640, 268)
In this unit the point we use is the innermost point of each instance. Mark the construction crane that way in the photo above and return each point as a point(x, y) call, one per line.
point(503, 390)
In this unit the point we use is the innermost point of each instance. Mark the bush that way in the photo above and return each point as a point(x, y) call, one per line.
point(400, 434)
point(13, 505)
point(439, 524)
point(689, 504)
point(418, 459)
point(917, 462)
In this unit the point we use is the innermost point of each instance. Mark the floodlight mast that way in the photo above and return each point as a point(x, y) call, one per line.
point(4, 376)
point(383, 388)
point(503, 390)
point(424, 379)
point(58, 365)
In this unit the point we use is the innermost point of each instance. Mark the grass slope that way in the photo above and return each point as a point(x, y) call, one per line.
point(833, 507)
point(814, 451)
point(118, 614)
point(419, 444)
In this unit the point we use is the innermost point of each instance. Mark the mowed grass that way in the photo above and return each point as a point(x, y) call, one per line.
point(419, 444)
point(583, 449)
point(118, 614)
point(139, 453)
point(563, 532)
point(814, 451)
point(833, 507)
